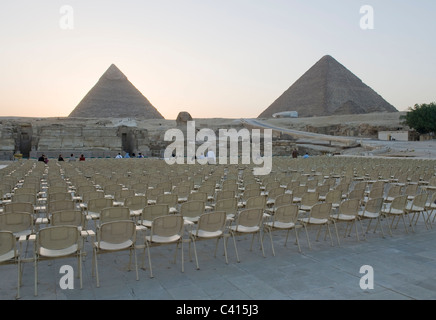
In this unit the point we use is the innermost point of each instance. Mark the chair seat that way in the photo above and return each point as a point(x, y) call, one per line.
point(135, 213)
point(280, 225)
point(113, 246)
point(394, 211)
point(313, 220)
point(206, 234)
point(7, 256)
point(369, 214)
point(244, 229)
point(160, 239)
point(173, 210)
point(58, 253)
point(146, 223)
point(342, 216)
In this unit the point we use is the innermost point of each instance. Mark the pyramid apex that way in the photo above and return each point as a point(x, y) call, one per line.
point(114, 73)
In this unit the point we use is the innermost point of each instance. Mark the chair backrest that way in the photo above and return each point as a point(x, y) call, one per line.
point(275, 192)
point(310, 198)
point(151, 212)
point(182, 190)
point(230, 205)
point(249, 218)
point(114, 214)
point(8, 247)
point(356, 194)
point(209, 188)
point(376, 192)
point(170, 199)
point(167, 226)
point(24, 197)
point(298, 191)
point(67, 217)
point(212, 222)
point(96, 205)
point(152, 194)
point(283, 199)
point(121, 195)
point(58, 238)
point(117, 232)
point(256, 202)
point(59, 196)
point(59, 205)
point(323, 189)
point(394, 191)
point(349, 207)
point(199, 195)
point(374, 205)
point(225, 194)
point(191, 209)
point(334, 196)
point(420, 200)
point(399, 202)
point(321, 210)
point(135, 202)
point(19, 207)
point(248, 193)
point(411, 189)
point(26, 190)
point(86, 197)
point(286, 213)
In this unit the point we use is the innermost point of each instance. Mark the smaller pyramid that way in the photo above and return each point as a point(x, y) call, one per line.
point(114, 96)
point(328, 88)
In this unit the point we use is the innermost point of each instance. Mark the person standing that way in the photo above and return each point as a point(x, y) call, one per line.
point(294, 154)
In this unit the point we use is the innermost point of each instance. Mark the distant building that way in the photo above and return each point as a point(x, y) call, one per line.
point(394, 135)
point(286, 114)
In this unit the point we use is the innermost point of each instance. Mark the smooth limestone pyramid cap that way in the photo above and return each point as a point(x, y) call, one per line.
point(328, 88)
point(114, 96)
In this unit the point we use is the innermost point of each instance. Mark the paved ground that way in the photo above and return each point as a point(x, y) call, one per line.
point(404, 268)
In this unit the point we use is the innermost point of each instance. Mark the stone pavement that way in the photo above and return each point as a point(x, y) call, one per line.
point(404, 268)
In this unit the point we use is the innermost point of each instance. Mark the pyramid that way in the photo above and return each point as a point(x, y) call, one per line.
point(328, 88)
point(114, 96)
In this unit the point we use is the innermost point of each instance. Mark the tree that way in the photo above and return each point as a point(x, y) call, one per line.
point(422, 118)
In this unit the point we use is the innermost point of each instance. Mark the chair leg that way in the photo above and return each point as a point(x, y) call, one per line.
point(36, 276)
point(236, 249)
point(307, 236)
point(195, 251)
point(297, 240)
point(149, 260)
point(96, 267)
point(225, 249)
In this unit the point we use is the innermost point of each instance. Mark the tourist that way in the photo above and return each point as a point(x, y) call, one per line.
point(306, 156)
point(294, 154)
point(72, 158)
point(41, 158)
point(45, 159)
point(140, 155)
point(119, 156)
point(60, 158)
point(127, 155)
point(82, 157)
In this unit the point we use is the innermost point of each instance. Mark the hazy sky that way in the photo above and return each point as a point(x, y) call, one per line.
point(212, 58)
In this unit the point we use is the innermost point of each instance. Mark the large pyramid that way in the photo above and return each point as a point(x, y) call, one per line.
point(328, 88)
point(114, 96)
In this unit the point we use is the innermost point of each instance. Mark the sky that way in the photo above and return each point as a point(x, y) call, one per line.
point(212, 58)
